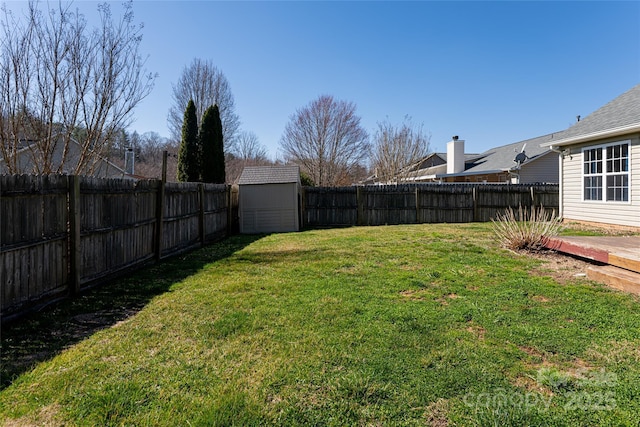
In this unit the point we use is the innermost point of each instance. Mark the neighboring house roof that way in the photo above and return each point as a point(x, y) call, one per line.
point(443, 157)
point(495, 160)
point(502, 159)
point(619, 117)
point(270, 175)
point(432, 164)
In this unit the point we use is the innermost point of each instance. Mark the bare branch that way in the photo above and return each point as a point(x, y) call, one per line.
point(397, 148)
point(66, 89)
point(206, 85)
point(249, 148)
point(325, 138)
point(248, 152)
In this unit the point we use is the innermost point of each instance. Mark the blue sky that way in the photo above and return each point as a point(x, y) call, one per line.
point(491, 72)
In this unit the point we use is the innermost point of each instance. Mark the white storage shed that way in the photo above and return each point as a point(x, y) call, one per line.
point(268, 199)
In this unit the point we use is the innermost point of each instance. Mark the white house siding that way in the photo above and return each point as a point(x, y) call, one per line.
point(543, 169)
point(268, 208)
point(618, 213)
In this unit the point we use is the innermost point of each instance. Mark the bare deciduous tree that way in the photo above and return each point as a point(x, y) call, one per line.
point(325, 138)
point(249, 148)
point(248, 152)
point(67, 90)
point(206, 85)
point(396, 149)
point(149, 155)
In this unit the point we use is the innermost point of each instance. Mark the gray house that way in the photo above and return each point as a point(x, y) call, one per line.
point(600, 164)
point(27, 161)
point(268, 199)
point(521, 162)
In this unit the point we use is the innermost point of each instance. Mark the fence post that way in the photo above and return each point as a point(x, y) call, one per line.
point(75, 254)
point(229, 210)
point(160, 208)
point(201, 230)
point(475, 204)
point(159, 220)
point(303, 204)
point(417, 205)
point(533, 198)
point(360, 201)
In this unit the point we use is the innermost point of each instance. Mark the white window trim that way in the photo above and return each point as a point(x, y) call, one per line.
point(604, 173)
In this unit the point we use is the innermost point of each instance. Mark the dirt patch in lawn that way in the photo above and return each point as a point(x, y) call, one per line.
point(47, 416)
point(436, 413)
point(563, 268)
point(530, 383)
point(600, 229)
point(413, 294)
point(540, 298)
point(444, 300)
point(547, 375)
point(477, 331)
point(616, 352)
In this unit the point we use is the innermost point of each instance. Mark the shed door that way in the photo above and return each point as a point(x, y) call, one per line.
point(268, 208)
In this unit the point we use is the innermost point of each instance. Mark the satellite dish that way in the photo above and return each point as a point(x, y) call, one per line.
point(521, 157)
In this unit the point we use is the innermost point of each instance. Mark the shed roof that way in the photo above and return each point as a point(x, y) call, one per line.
point(269, 175)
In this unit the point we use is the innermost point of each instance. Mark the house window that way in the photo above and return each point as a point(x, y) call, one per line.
point(606, 173)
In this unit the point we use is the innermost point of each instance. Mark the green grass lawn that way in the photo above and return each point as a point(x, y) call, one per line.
point(399, 325)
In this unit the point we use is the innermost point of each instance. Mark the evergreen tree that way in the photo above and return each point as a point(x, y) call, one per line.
point(211, 141)
point(189, 153)
point(305, 180)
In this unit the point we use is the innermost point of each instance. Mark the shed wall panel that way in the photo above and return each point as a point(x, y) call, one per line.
point(269, 208)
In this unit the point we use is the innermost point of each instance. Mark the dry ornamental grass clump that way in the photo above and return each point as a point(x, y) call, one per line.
point(526, 230)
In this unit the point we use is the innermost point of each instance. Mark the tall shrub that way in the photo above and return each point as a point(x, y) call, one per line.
point(189, 153)
point(529, 231)
point(211, 140)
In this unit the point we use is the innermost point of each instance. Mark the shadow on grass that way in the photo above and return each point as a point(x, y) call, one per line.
point(41, 336)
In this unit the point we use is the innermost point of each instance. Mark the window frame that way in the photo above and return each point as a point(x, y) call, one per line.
point(602, 174)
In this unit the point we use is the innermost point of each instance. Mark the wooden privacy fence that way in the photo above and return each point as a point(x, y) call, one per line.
point(420, 203)
point(60, 234)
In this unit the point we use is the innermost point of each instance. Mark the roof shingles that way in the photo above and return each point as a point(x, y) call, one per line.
point(620, 114)
point(269, 175)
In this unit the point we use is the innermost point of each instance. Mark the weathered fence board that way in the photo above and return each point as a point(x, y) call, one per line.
point(44, 255)
point(494, 199)
point(33, 239)
point(330, 206)
point(445, 203)
point(420, 203)
point(181, 217)
point(117, 219)
point(216, 215)
point(388, 204)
